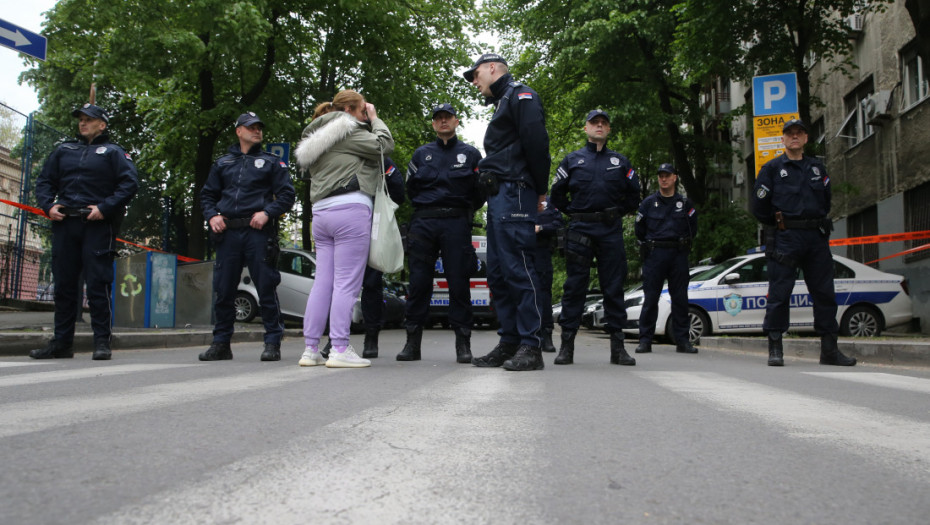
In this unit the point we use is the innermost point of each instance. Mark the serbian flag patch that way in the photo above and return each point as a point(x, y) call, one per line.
point(523, 96)
point(283, 164)
point(127, 156)
point(691, 212)
point(630, 173)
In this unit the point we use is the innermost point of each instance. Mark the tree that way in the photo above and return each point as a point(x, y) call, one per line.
point(177, 73)
point(919, 11)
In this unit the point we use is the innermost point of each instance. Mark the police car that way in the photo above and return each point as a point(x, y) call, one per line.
point(730, 297)
point(481, 302)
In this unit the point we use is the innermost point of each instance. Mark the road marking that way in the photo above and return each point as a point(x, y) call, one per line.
point(864, 430)
point(432, 455)
point(81, 373)
point(33, 416)
point(911, 384)
point(11, 364)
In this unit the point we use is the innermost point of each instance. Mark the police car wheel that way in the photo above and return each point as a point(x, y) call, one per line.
point(861, 321)
point(246, 307)
point(698, 325)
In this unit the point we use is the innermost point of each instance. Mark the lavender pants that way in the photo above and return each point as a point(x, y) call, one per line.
point(342, 235)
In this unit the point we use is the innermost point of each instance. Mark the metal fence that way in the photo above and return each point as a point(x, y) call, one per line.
point(25, 238)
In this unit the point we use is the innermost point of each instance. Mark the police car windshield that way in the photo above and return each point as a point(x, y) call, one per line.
point(710, 273)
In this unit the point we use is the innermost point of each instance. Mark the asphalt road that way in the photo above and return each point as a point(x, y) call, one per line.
point(155, 436)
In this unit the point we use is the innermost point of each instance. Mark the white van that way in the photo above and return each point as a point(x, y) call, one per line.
point(481, 301)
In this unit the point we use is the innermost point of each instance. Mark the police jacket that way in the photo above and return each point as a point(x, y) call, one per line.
point(240, 184)
point(800, 189)
point(445, 174)
point(516, 143)
point(394, 181)
point(79, 174)
point(666, 218)
point(596, 181)
point(338, 148)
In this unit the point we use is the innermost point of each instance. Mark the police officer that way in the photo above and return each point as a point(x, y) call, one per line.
point(372, 300)
point(246, 191)
point(548, 223)
point(665, 225)
point(603, 187)
point(442, 183)
point(791, 199)
point(84, 188)
point(515, 173)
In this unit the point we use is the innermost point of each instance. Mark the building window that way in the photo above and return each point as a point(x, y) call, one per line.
point(863, 224)
point(914, 82)
point(855, 128)
point(917, 218)
point(818, 139)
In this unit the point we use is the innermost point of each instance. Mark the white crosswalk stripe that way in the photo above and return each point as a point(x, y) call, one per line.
point(376, 466)
point(14, 364)
point(80, 373)
point(910, 384)
point(868, 431)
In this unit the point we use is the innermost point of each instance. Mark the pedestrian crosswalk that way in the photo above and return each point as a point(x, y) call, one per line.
point(463, 427)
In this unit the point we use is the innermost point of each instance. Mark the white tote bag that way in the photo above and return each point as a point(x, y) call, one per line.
point(386, 253)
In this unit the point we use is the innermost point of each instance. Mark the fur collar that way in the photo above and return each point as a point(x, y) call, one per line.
point(332, 131)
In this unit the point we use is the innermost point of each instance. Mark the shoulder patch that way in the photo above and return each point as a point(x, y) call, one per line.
point(525, 95)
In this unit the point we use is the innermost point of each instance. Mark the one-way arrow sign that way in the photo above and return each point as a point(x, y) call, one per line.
point(19, 39)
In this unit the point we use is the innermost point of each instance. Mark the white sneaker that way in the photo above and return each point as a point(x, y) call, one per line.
point(311, 358)
point(347, 359)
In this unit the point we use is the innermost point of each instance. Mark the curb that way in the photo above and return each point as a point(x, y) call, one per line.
point(902, 353)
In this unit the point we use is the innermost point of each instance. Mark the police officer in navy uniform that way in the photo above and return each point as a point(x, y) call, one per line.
point(665, 226)
point(372, 300)
point(791, 199)
point(595, 186)
point(515, 174)
point(442, 183)
point(548, 223)
point(246, 191)
point(84, 188)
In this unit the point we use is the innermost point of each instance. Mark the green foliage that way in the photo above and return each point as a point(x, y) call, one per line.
point(725, 230)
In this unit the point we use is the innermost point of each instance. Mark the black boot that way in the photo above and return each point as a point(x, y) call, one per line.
point(618, 355)
point(272, 352)
point(567, 350)
point(527, 358)
point(411, 351)
point(463, 345)
point(830, 353)
point(102, 351)
point(496, 357)
point(53, 350)
point(644, 347)
point(547, 345)
point(370, 350)
point(217, 351)
point(776, 354)
point(684, 346)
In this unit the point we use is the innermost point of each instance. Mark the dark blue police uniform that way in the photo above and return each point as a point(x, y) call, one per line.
point(442, 184)
point(549, 222)
point(239, 185)
point(665, 227)
point(76, 175)
point(516, 145)
point(792, 198)
point(372, 300)
point(603, 187)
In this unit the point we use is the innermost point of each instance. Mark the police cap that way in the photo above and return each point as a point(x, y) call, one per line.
point(469, 73)
point(443, 107)
point(92, 111)
point(597, 113)
point(247, 119)
point(668, 168)
point(794, 122)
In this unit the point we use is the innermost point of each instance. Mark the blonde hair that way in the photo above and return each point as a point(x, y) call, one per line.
point(348, 99)
point(321, 109)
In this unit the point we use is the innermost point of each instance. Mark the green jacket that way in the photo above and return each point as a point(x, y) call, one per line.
point(337, 147)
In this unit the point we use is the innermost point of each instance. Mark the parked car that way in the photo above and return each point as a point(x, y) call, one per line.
point(298, 269)
point(730, 297)
point(597, 311)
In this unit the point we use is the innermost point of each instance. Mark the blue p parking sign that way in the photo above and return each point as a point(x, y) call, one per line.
point(281, 149)
point(775, 94)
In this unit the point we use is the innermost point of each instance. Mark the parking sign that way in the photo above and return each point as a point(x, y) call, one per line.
point(775, 94)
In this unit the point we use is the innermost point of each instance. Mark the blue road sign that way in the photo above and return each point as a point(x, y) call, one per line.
point(281, 149)
point(19, 39)
point(775, 94)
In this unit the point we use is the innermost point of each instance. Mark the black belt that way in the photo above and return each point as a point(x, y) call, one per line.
point(74, 212)
point(350, 187)
point(235, 224)
point(679, 243)
point(808, 224)
point(608, 215)
point(438, 212)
